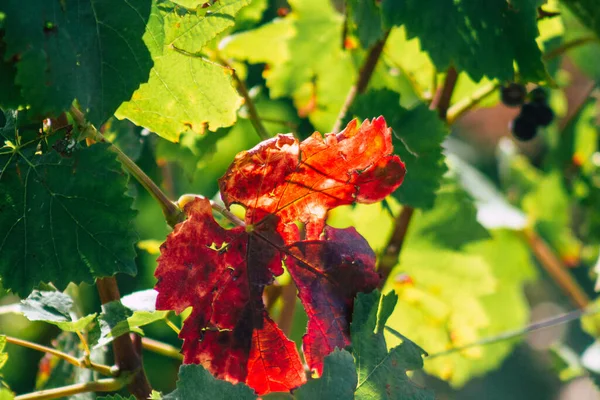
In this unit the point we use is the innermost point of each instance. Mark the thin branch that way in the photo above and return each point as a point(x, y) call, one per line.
point(102, 369)
point(172, 326)
point(560, 50)
point(172, 213)
point(162, 348)
point(574, 111)
point(102, 385)
point(556, 269)
point(252, 112)
point(127, 358)
point(364, 75)
point(441, 101)
point(536, 326)
point(461, 107)
point(389, 259)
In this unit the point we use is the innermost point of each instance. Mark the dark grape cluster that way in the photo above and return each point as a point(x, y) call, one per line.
point(534, 113)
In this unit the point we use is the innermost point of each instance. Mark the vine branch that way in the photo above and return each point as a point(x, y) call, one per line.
point(555, 268)
point(81, 363)
point(364, 75)
point(161, 348)
point(127, 358)
point(102, 385)
point(172, 213)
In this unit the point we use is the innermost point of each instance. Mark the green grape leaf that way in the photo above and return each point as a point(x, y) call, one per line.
point(116, 397)
point(116, 319)
point(480, 38)
point(382, 374)
point(54, 308)
point(191, 30)
point(196, 383)
point(315, 27)
point(6, 394)
point(10, 95)
point(185, 91)
point(366, 15)
point(452, 222)
point(418, 137)
point(84, 51)
point(460, 298)
point(338, 381)
point(3, 355)
point(62, 219)
point(587, 11)
point(265, 44)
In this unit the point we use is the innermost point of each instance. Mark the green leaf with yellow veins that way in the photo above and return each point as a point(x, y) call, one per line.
point(3, 355)
point(265, 44)
point(312, 33)
point(191, 30)
point(439, 315)
point(62, 219)
point(480, 38)
point(184, 91)
point(77, 50)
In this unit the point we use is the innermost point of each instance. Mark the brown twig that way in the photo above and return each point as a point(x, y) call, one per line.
point(127, 358)
point(441, 101)
point(364, 75)
point(568, 46)
point(579, 104)
point(556, 269)
point(389, 259)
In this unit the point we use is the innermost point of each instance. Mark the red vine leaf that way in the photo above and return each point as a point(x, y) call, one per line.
point(221, 273)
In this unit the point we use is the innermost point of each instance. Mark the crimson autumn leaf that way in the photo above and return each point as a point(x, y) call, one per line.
point(221, 273)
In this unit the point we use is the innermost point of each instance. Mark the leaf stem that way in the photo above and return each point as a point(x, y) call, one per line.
point(364, 75)
point(127, 358)
point(441, 101)
point(172, 325)
point(102, 385)
point(555, 268)
point(466, 104)
point(172, 213)
point(535, 326)
point(161, 348)
point(252, 112)
point(102, 369)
